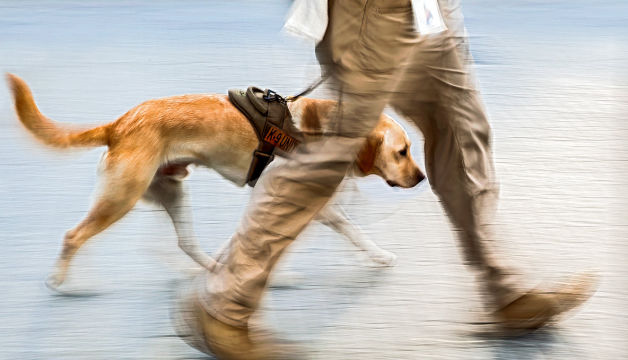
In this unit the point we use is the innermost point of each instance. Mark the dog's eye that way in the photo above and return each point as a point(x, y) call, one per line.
point(404, 152)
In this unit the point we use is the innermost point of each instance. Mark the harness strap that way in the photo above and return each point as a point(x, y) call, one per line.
point(273, 117)
point(261, 158)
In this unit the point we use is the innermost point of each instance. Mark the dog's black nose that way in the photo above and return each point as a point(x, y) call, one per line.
point(419, 177)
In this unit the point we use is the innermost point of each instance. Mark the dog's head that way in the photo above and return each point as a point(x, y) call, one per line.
point(386, 153)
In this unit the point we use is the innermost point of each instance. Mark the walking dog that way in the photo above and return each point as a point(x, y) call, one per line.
point(151, 146)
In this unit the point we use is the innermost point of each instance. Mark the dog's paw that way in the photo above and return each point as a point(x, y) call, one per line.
point(382, 258)
point(54, 281)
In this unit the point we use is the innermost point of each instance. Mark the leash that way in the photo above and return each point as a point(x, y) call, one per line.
point(308, 90)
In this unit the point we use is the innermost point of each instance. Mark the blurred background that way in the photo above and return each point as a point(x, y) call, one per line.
point(554, 75)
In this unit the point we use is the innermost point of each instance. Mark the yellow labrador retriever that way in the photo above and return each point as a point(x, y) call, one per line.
point(151, 146)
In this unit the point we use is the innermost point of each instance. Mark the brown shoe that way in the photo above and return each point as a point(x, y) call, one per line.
point(536, 309)
point(233, 343)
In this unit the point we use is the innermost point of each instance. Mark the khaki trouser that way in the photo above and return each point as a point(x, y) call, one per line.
point(366, 43)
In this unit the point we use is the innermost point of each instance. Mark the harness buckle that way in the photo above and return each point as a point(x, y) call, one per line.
point(262, 155)
point(271, 96)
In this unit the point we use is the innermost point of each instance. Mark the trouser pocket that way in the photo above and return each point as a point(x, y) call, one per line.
point(367, 35)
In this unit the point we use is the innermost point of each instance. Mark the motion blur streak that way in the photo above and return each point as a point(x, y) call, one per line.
point(554, 78)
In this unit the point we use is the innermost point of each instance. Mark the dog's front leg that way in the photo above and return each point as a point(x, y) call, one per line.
point(334, 217)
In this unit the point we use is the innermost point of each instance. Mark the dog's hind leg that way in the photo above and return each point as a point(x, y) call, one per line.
point(124, 183)
point(169, 192)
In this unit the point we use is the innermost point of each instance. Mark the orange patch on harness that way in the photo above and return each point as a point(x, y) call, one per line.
point(277, 137)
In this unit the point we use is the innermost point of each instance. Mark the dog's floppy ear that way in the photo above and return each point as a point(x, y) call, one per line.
point(366, 156)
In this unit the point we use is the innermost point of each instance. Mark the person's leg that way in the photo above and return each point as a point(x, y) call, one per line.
point(366, 49)
point(438, 93)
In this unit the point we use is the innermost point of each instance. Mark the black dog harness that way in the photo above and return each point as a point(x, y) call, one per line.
point(270, 118)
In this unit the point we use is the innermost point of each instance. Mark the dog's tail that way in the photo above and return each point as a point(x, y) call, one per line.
point(46, 130)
